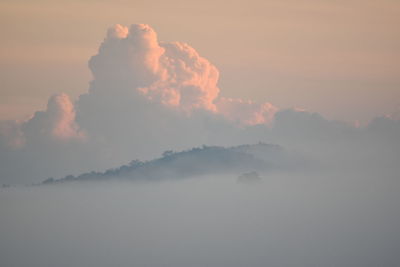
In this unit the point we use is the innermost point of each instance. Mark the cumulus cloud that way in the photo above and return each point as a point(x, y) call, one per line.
point(128, 56)
point(148, 96)
point(57, 121)
point(61, 115)
point(246, 112)
point(49, 143)
point(187, 80)
point(11, 135)
point(172, 74)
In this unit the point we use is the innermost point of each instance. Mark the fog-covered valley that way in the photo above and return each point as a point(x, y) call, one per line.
point(345, 219)
point(247, 205)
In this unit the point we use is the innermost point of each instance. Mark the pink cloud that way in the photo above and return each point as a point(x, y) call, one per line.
point(246, 112)
point(61, 116)
point(173, 74)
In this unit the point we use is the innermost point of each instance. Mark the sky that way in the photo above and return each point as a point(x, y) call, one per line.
point(91, 85)
point(337, 58)
point(94, 92)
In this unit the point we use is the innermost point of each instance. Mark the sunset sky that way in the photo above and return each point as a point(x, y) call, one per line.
point(187, 133)
point(338, 58)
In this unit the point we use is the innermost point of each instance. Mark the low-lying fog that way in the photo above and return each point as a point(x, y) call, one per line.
point(285, 220)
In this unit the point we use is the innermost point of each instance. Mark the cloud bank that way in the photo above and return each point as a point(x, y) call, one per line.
point(148, 96)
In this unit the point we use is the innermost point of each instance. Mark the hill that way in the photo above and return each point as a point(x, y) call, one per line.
point(195, 162)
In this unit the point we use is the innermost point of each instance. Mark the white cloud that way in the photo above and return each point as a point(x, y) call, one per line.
point(148, 96)
point(61, 115)
point(56, 122)
point(172, 74)
point(246, 112)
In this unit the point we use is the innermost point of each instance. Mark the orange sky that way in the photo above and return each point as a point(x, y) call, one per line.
point(339, 58)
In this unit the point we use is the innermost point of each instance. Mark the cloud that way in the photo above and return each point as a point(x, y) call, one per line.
point(187, 81)
point(128, 56)
point(246, 112)
point(163, 93)
point(148, 96)
point(61, 115)
point(56, 122)
point(172, 74)
point(11, 135)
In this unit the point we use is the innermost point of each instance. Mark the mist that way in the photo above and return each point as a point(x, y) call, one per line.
point(287, 219)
